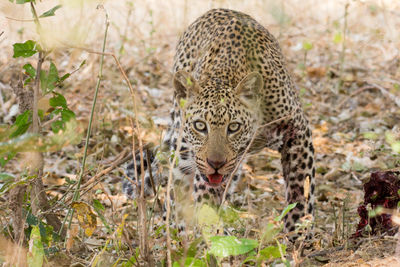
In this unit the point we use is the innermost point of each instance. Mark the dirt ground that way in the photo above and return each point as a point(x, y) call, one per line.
point(343, 55)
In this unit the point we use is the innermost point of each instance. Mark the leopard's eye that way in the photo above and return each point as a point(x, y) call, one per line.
point(200, 126)
point(233, 127)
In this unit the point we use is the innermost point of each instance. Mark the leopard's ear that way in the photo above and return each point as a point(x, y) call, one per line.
point(250, 86)
point(185, 85)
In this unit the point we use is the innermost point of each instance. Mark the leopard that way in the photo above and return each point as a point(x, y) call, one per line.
point(233, 97)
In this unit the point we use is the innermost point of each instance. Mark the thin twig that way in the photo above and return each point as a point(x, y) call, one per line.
point(89, 130)
point(122, 158)
point(35, 117)
point(97, 178)
point(387, 93)
point(368, 86)
point(55, 118)
point(95, 182)
point(76, 193)
point(358, 91)
point(171, 168)
point(23, 20)
point(140, 201)
point(145, 253)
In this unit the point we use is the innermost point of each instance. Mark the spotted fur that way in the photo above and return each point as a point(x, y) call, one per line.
point(232, 74)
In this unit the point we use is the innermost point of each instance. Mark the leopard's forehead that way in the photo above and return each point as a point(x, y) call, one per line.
point(218, 107)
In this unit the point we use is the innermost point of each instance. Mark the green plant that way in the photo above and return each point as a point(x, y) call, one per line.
point(39, 128)
point(265, 249)
point(307, 46)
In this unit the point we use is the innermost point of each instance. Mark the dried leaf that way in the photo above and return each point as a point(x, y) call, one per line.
point(87, 219)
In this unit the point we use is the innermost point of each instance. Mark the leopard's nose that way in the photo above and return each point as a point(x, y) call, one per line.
point(216, 164)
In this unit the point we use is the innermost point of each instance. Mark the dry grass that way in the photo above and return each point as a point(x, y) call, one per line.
point(143, 35)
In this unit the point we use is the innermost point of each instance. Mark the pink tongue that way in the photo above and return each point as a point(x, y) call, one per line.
point(215, 178)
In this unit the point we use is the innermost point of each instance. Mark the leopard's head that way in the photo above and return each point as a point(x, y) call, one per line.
point(218, 121)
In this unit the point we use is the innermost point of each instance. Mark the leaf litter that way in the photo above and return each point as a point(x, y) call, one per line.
point(351, 117)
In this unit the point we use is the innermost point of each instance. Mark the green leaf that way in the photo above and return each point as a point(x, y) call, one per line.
point(390, 137)
point(19, 143)
point(6, 177)
point(32, 219)
point(24, 1)
point(82, 63)
point(229, 215)
point(338, 38)
point(396, 147)
point(272, 252)
point(27, 49)
point(189, 81)
point(41, 113)
point(22, 122)
point(49, 81)
point(31, 71)
point(270, 231)
point(34, 142)
point(36, 251)
point(58, 100)
point(307, 45)
point(191, 262)
point(182, 102)
point(193, 248)
point(6, 158)
point(56, 126)
point(208, 221)
point(50, 12)
point(22, 118)
point(67, 114)
point(251, 258)
point(224, 246)
point(64, 77)
point(97, 205)
point(375, 212)
point(370, 135)
point(99, 208)
point(52, 78)
point(46, 233)
point(285, 211)
point(130, 262)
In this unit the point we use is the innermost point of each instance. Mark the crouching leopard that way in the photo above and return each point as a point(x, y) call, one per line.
point(238, 99)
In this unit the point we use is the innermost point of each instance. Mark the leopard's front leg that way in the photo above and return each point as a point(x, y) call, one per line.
point(298, 170)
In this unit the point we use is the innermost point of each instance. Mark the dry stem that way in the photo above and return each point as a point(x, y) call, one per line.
point(384, 91)
point(39, 201)
point(144, 249)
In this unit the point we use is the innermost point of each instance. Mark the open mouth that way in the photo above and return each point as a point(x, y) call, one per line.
point(215, 179)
